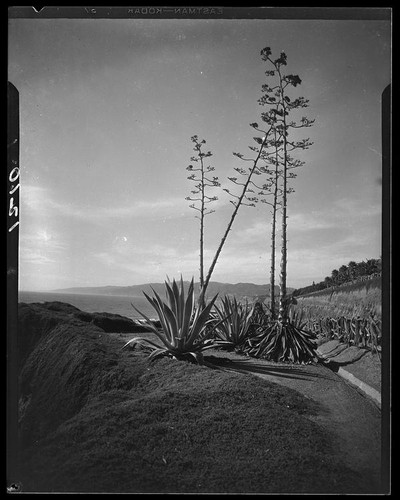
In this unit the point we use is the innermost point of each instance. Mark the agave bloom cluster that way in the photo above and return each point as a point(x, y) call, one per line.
point(235, 320)
point(184, 333)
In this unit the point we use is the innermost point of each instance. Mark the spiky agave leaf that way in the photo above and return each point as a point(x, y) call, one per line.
point(159, 310)
point(157, 353)
point(233, 331)
point(296, 318)
point(182, 325)
point(152, 327)
point(165, 315)
point(143, 342)
point(186, 308)
point(284, 342)
point(181, 309)
point(200, 321)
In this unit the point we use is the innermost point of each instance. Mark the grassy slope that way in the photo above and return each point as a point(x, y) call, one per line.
point(347, 300)
point(99, 419)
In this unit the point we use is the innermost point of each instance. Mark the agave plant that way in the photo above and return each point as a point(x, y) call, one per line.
point(284, 341)
point(183, 333)
point(261, 317)
point(234, 321)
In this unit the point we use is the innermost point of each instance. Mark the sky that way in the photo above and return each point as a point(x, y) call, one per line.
point(107, 110)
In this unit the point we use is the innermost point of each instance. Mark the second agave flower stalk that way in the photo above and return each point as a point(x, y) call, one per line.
point(201, 176)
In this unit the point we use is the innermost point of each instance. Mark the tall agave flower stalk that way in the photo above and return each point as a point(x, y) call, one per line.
point(273, 189)
point(201, 200)
point(281, 105)
point(239, 201)
point(285, 339)
point(273, 230)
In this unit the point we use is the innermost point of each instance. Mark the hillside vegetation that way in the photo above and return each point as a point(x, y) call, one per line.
point(351, 313)
point(352, 273)
point(350, 299)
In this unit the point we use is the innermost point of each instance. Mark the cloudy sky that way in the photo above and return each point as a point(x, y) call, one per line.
point(107, 109)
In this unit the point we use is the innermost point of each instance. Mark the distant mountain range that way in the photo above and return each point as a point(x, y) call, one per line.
point(239, 290)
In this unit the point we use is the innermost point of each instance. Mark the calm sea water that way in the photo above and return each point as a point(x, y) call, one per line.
point(95, 303)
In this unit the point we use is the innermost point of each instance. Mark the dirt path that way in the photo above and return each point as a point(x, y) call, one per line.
point(354, 420)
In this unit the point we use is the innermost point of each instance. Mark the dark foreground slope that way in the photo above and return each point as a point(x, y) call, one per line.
point(36, 320)
point(94, 418)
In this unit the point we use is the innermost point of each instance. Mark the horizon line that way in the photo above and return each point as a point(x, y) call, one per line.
point(143, 284)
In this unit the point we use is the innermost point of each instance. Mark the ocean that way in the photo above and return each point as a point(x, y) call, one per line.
point(116, 304)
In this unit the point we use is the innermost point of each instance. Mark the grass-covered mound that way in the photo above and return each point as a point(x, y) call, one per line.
point(98, 419)
point(37, 319)
point(69, 364)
